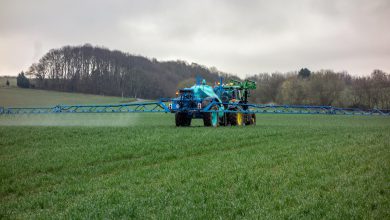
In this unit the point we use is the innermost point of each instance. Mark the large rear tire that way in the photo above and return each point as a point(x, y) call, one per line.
point(235, 118)
point(178, 119)
point(182, 119)
point(232, 118)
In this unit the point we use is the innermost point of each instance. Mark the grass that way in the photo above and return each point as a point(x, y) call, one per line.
point(288, 166)
point(17, 97)
point(141, 166)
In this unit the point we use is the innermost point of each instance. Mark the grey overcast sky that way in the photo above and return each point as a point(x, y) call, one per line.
point(242, 37)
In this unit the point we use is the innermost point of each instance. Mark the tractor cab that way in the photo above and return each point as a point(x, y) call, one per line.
point(186, 93)
point(229, 94)
point(185, 100)
point(235, 91)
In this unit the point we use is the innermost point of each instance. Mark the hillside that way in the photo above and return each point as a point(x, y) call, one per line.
point(98, 70)
point(17, 97)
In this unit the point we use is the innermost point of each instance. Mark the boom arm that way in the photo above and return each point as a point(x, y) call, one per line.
point(159, 106)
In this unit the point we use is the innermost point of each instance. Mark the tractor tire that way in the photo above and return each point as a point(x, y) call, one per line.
point(211, 118)
point(232, 119)
point(240, 119)
point(236, 119)
point(253, 119)
point(178, 119)
point(247, 119)
point(224, 121)
point(207, 119)
point(187, 121)
point(182, 119)
point(250, 119)
point(206, 115)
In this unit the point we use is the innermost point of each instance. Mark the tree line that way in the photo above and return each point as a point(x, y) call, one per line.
point(97, 70)
point(324, 87)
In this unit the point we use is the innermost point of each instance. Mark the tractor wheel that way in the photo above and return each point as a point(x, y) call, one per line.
point(187, 121)
point(211, 118)
point(253, 119)
point(235, 118)
point(240, 119)
point(248, 119)
point(178, 119)
point(224, 120)
point(207, 119)
point(206, 115)
point(182, 119)
point(232, 119)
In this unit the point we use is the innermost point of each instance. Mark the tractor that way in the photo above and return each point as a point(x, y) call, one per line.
point(222, 105)
point(234, 96)
point(199, 101)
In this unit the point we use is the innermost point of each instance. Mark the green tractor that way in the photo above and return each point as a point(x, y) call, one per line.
point(234, 96)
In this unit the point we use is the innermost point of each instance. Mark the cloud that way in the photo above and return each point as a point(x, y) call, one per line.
point(242, 37)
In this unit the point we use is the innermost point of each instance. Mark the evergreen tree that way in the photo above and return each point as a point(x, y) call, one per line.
point(22, 81)
point(304, 73)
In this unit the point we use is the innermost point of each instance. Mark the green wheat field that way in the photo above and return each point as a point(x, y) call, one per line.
point(104, 166)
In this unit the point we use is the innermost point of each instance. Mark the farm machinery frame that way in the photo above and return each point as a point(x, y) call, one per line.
point(225, 104)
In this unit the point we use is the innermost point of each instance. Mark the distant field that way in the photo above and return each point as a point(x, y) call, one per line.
point(288, 166)
point(17, 97)
point(11, 80)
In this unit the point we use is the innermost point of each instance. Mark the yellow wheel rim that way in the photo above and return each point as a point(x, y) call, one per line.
point(239, 119)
